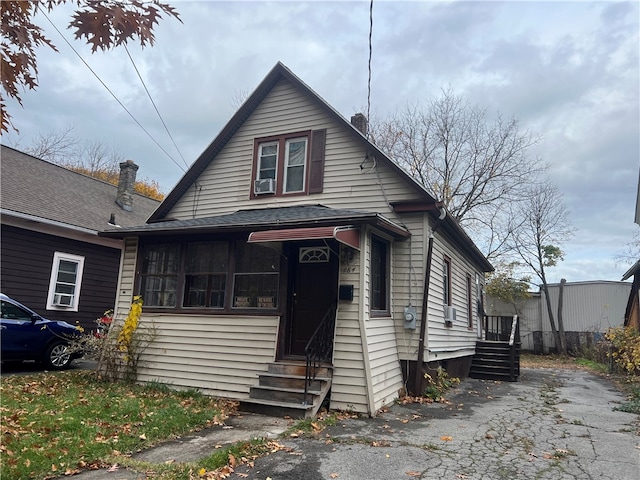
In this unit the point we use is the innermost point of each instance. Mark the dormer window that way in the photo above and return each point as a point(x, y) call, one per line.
point(288, 164)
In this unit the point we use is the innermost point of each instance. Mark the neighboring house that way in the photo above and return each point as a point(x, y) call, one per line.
point(632, 312)
point(293, 235)
point(589, 309)
point(52, 258)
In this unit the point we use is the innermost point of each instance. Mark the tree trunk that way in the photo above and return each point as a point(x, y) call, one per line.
point(563, 337)
point(554, 329)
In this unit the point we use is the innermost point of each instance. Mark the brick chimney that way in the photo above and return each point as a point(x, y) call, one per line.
point(126, 182)
point(360, 122)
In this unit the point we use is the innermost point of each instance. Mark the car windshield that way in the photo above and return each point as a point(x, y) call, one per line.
point(12, 312)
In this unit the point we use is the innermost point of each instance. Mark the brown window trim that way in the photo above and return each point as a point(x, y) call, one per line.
point(281, 140)
point(228, 309)
point(469, 302)
point(386, 312)
point(448, 294)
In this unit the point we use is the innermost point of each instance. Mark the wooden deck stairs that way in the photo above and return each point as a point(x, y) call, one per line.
point(280, 391)
point(496, 360)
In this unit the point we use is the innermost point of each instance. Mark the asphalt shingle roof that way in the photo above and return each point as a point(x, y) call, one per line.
point(264, 218)
point(35, 187)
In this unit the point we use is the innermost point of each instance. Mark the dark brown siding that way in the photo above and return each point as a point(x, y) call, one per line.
point(25, 269)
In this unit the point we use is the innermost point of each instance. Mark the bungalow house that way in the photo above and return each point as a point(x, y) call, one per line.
point(52, 258)
point(294, 247)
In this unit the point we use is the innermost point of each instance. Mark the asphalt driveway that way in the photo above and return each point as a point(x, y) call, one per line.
point(552, 424)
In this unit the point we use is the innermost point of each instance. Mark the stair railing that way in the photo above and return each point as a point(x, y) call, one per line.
point(497, 328)
point(319, 348)
point(514, 340)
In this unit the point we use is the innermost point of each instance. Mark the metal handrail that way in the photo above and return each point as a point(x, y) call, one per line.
point(319, 347)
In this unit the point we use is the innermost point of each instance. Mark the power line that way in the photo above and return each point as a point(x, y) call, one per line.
point(370, 54)
point(154, 106)
point(112, 94)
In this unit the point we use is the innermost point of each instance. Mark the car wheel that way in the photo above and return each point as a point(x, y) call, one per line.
point(57, 356)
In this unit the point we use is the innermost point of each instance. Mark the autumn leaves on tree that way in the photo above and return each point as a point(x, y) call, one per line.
point(104, 24)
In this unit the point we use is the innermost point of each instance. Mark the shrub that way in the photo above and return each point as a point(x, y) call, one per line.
point(440, 384)
point(626, 348)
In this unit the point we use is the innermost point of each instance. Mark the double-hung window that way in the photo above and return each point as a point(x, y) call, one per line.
point(295, 162)
point(284, 161)
point(206, 274)
point(65, 282)
point(379, 274)
point(256, 277)
point(267, 161)
point(446, 280)
point(159, 277)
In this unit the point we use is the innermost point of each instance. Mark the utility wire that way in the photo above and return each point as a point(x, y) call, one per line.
point(112, 94)
point(370, 53)
point(154, 106)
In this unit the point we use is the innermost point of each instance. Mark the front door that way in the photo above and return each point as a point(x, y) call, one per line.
point(314, 289)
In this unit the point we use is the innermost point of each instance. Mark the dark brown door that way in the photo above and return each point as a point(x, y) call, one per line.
point(314, 290)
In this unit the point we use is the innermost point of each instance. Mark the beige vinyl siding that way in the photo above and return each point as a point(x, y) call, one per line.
point(218, 355)
point(386, 375)
point(224, 186)
point(458, 340)
point(379, 339)
point(408, 281)
point(349, 388)
point(126, 280)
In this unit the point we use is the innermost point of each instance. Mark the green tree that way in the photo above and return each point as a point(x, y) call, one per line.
point(104, 24)
point(503, 285)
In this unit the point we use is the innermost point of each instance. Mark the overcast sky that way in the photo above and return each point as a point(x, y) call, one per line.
point(569, 71)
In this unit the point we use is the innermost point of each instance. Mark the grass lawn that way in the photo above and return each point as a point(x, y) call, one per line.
point(54, 424)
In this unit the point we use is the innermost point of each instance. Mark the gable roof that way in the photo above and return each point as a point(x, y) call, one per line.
point(32, 188)
point(277, 73)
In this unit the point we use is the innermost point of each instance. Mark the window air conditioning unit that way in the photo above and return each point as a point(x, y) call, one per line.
point(62, 300)
point(449, 315)
point(265, 185)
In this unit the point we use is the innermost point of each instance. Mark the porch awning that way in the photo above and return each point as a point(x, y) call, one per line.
point(349, 235)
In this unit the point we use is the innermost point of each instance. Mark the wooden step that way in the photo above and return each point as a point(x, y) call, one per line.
point(292, 395)
point(290, 381)
point(281, 390)
point(277, 408)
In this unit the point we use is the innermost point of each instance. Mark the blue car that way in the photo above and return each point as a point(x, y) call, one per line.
point(25, 335)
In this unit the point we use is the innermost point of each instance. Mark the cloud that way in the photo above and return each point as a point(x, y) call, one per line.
point(569, 71)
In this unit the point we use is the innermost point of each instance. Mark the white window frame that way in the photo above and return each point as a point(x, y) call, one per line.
point(260, 155)
point(287, 143)
point(68, 257)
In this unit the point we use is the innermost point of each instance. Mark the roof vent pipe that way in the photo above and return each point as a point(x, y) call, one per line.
point(126, 183)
